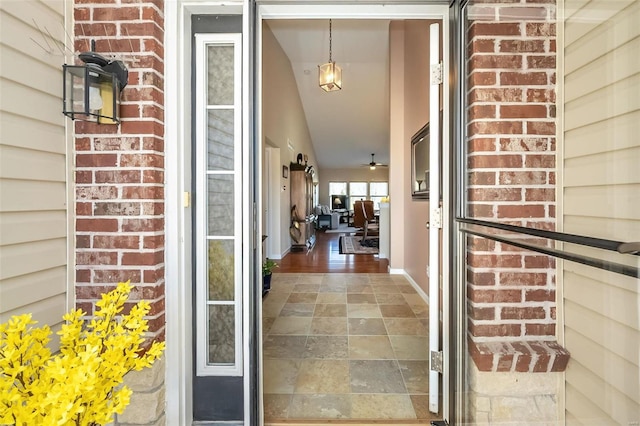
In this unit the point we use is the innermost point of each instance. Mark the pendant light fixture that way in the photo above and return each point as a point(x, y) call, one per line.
point(330, 74)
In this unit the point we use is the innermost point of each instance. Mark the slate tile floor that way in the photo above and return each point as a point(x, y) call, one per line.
point(345, 346)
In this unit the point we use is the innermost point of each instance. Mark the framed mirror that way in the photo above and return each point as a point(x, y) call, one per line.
point(420, 163)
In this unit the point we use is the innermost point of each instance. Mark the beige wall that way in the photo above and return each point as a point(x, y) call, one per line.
point(283, 120)
point(409, 112)
point(600, 197)
point(33, 164)
point(361, 174)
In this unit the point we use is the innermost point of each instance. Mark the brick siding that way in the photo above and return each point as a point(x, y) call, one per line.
point(119, 177)
point(511, 126)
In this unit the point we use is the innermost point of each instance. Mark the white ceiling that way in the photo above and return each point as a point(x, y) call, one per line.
point(348, 125)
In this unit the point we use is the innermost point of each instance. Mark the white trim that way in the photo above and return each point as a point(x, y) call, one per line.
point(202, 174)
point(397, 271)
point(417, 288)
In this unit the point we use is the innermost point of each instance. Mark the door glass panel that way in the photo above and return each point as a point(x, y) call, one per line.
point(221, 204)
point(220, 139)
point(550, 124)
point(217, 202)
point(220, 67)
point(221, 270)
point(221, 334)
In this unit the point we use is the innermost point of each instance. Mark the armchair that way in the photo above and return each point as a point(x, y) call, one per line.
point(363, 217)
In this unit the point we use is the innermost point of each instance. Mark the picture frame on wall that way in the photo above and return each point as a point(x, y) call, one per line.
point(285, 172)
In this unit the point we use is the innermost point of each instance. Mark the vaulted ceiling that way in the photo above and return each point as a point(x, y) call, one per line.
point(349, 125)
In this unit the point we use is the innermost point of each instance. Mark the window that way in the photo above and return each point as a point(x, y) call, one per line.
point(218, 225)
point(337, 188)
point(377, 191)
point(357, 191)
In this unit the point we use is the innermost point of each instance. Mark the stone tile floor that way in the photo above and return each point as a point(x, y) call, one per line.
point(345, 346)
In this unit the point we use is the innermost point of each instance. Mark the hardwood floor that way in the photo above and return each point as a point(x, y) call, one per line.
point(325, 257)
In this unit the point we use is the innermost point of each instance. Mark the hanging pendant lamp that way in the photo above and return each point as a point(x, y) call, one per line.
point(330, 74)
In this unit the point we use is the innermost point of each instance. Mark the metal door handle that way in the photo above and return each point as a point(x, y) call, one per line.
point(629, 248)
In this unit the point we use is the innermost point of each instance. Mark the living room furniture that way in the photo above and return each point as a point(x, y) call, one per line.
point(363, 217)
point(326, 218)
point(302, 229)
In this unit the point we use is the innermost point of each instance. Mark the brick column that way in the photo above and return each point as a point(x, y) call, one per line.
point(510, 141)
point(120, 168)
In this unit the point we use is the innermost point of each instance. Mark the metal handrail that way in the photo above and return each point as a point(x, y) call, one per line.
point(631, 248)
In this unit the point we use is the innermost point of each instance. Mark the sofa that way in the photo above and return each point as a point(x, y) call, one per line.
point(326, 219)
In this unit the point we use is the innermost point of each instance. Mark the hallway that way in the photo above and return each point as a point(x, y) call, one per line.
point(344, 346)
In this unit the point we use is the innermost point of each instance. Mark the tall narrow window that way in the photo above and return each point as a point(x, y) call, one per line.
point(218, 227)
point(378, 191)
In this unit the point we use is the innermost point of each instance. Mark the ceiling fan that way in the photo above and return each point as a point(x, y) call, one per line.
point(372, 165)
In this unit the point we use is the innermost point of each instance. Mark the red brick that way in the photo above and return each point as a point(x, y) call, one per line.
point(524, 144)
point(481, 111)
point(495, 127)
point(81, 14)
point(481, 355)
point(481, 314)
point(142, 225)
point(522, 46)
point(96, 258)
point(480, 244)
point(541, 127)
point(481, 278)
point(83, 144)
point(540, 29)
point(495, 194)
point(481, 210)
point(522, 178)
point(498, 29)
point(84, 176)
point(482, 144)
point(522, 278)
point(153, 176)
point(480, 45)
point(482, 178)
point(96, 160)
point(508, 94)
point(541, 95)
point(494, 296)
point(521, 211)
point(540, 194)
point(91, 128)
point(156, 324)
point(523, 111)
point(522, 313)
point(121, 13)
point(116, 241)
point(153, 144)
point(95, 30)
point(143, 259)
point(83, 241)
point(140, 94)
point(153, 275)
point(501, 161)
point(540, 329)
point(153, 111)
point(97, 225)
point(142, 160)
point(118, 176)
point(540, 161)
point(495, 330)
point(495, 61)
point(84, 209)
point(143, 192)
point(505, 362)
point(482, 78)
point(101, 192)
point(116, 209)
point(523, 78)
point(537, 262)
point(152, 209)
point(130, 111)
point(121, 143)
point(153, 242)
point(116, 275)
point(494, 260)
point(83, 276)
point(540, 296)
point(541, 61)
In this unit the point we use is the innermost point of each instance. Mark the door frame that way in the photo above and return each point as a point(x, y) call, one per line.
point(178, 272)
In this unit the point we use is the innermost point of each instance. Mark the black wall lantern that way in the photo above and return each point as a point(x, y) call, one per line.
point(92, 90)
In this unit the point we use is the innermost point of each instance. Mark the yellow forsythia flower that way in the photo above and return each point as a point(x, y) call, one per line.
point(83, 383)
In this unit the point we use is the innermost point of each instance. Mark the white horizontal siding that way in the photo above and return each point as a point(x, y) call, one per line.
point(33, 162)
point(600, 197)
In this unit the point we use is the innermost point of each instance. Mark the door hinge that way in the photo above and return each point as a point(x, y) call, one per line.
point(186, 199)
point(436, 361)
point(436, 73)
point(435, 219)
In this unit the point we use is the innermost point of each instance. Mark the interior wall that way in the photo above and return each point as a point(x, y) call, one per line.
point(361, 174)
point(283, 121)
point(398, 154)
point(416, 108)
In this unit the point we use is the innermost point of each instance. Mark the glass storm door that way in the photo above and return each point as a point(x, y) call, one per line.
point(218, 392)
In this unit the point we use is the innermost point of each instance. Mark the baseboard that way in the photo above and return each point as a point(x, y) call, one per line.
point(417, 288)
point(395, 271)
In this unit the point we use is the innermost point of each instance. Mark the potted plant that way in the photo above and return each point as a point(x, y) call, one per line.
point(267, 270)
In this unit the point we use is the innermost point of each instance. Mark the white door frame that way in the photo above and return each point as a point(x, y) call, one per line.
point(178, 378)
